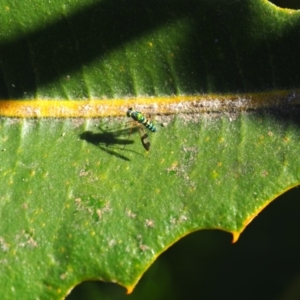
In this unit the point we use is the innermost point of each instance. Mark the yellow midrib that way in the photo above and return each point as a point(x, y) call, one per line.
point(153, 105)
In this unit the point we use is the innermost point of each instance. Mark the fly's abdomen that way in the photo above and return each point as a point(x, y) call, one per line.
point(149, 125)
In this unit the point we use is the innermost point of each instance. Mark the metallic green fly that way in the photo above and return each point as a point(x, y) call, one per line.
point(141, 119)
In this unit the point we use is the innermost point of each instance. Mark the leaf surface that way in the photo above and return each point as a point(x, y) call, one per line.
point(80, 197)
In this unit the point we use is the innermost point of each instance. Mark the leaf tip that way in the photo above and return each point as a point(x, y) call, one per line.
point(235, 236)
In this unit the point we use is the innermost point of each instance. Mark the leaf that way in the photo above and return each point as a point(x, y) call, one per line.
point(81, 198)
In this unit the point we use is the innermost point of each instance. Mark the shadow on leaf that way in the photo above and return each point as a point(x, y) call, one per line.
point(105, 139)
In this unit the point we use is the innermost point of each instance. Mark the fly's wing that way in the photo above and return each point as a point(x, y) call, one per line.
point(144, 138)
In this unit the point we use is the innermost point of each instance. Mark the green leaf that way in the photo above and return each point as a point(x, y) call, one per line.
point(81, 198)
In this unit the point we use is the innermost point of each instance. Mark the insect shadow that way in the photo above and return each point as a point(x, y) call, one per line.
point(109, 141)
